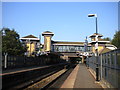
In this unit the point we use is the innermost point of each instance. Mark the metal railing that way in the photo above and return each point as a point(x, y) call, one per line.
point(109, 67)
point(9, 62)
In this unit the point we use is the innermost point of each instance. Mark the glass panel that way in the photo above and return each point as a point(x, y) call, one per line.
point(112, 58)
point(105, 58)
point(102, 59)
point(108, 58)
point(69, 48)
point(118, 59)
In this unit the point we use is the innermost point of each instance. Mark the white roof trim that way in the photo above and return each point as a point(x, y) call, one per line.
point(71, 44)
point(30, 38)
point(47, 33)
point(110, 45)
point(112, 48)
point(100, 35)
point(100, 41)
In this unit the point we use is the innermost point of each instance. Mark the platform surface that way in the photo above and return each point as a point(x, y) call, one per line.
point(81, 78)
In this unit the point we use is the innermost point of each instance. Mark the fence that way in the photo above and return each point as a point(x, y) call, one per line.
point(22, 61)
point(109, 67)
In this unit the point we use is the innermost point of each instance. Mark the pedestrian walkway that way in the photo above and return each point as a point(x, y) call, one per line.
point(80, 78)
point(84, 79)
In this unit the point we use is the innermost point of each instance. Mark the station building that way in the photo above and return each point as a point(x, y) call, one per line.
point(103, 45)
point(67, 49)
point(32, 43)
point(61, 46)
point(70, 49)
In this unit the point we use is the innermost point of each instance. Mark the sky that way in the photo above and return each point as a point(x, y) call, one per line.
point(68, 21)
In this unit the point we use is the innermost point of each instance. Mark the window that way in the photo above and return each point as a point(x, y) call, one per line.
point(68, 48)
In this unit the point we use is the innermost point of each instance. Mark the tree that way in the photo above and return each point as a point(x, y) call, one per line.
point(11, 43)
point(107, 39)
point(116, 39)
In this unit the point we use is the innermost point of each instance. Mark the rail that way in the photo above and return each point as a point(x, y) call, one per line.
point(20, 80)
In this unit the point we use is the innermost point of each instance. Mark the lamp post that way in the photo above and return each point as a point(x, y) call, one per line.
point(86, 50)
point(96, 45)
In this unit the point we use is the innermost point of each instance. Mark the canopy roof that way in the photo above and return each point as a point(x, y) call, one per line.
point(29, 36)
point(47, 33)
point(93, 35)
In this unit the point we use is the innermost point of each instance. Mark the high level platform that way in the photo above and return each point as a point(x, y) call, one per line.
point(81, 78)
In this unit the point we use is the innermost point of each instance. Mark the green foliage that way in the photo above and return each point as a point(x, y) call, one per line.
point(116, 39)
point(107, 39)
point(11, 43)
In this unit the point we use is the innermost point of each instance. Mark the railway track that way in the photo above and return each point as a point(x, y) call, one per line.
point(48, 81)
point(35, 78)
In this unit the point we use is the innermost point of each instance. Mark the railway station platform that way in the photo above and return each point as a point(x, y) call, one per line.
point(18, 70)
point(81, 78)
point(23, 69)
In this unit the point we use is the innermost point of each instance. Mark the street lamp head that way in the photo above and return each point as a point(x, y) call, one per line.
point(92, 15)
